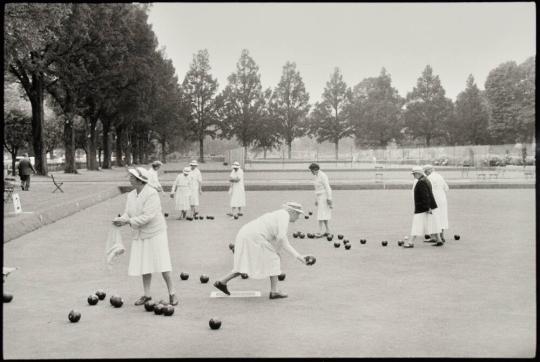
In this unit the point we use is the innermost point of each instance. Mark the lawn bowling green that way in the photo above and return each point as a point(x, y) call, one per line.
point(470, 298)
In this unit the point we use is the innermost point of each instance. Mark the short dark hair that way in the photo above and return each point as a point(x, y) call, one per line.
point(314, 167)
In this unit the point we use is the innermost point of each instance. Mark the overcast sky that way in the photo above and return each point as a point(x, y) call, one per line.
point(455, 39)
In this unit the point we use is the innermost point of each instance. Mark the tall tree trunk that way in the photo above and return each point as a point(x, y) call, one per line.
point(428, 140)
point(99, 156)
point(129, 148)
point(118, 145)
point(69, 146)
point(141, 150)
point(106, 144)
point(163, 150)
point(289, 149)
point(92, 146)
point(264, 153)
point(36, 100)
point(336, 142)
point(14, 161)
point(201, 149)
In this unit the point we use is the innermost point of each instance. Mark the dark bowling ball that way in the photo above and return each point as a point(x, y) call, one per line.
point(189, 218)
point(427, 236)
point(340, 237)
point(7, 297)
point(74, 316)
point(214, 323)
point(158, 309)
point(310, 213)
point(295, 235)
point(346, 241)
point(166, 214)
point(336, 244)
point(235, 217)
point(116, 301)
point(93, 299)
point(457, 237)
point(100, 294)
point(310, 260)
point(244, 276)
point(231, 246)
point(207, 217)
point(330, 237)
point(204, 278)
point(310, 235)
point(118, 215)
point(168, 310)
point(149, 306)
point(384, 243)
point(363, 241)
point(347, 246)
point(306, 217)
point(302, 235)
point(281, 276)
point(211, 217)
point(400, 243)
point(184, 276)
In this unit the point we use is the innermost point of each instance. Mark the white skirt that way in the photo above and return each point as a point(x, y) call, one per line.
point(182, 200)
point(238, 195)
point(255, 256)
point(425, 224)
point(324, 212)
point(150, 255)
point(194, 197)
point(442, 213)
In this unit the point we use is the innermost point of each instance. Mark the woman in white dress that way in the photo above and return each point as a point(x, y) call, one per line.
point(440, 188)
point(258, 247)
point(150, 246)
point(323, 201)
point(153, 176)
point(424, 221)
point(196, 187)
point(181, 192)
point(237, 190)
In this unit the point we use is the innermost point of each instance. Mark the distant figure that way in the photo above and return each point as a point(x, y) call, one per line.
point(25, 169)
point(181, 192)
point(439, 188)
point(323, 201)
point(153, 175)
point(196, 186)
point(258, 247)
point(237, 190)
point(424, 221)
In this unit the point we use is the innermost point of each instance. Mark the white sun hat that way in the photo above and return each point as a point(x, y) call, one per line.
point(427, 167)
point(139, 173)
point(187, 169)
point(194, 163)
point(157, 163)
point(294, 206)
point(418, 169)
point(235, 164)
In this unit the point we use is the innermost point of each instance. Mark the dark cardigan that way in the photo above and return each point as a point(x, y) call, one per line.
point(423, 196)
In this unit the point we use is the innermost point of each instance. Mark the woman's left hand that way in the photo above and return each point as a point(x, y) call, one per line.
point(119, 223)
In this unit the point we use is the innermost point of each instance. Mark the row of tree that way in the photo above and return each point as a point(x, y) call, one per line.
point(99, 68)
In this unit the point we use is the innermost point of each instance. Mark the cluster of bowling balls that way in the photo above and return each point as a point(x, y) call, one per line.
point(299, 234)
point(203, 278)
point(199, 217)
point(159, 309)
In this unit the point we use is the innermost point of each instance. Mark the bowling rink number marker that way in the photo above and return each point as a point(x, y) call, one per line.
point(237, 294)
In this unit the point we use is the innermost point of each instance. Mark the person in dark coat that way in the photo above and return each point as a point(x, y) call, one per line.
point(25, 169)
point(424, 221)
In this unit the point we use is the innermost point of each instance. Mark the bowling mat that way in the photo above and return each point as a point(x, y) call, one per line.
point(237, 294)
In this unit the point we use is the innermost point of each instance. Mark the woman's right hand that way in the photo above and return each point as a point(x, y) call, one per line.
point(172, 196)
point(316, 203)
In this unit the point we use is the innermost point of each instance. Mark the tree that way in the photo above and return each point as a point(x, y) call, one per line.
point(290, 105)
point(268, 125)
point(241, 101)
point(376, 111)
point(31, 33)
point(330, 120)
point(471, 117)
point(427, 108)
point(510, 90)
point(200, 89)
point(17, 132)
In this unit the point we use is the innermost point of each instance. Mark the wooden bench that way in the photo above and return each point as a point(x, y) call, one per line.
point(9, 187)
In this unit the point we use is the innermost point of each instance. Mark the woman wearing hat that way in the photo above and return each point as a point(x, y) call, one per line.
point(153, 176)
point(196, 186)
point(181, 192)
point(323, 201)
point(150, 246)
point(237, 190)
point(424, 221)
point(258, 247)
point(440, 188)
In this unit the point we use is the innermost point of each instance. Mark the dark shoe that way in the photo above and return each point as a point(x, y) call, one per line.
point(277, 295)
point(430, 241)
point(408, 245)
point(223, 287)
point(240, 214)
point(439, 243)
point(142, 300)
point(173, 299)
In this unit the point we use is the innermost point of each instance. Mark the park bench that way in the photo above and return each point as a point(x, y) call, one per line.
point(379, 173)
point(57, 184)
point(9, 187)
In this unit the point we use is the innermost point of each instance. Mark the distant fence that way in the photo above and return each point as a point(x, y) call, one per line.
point(477, 156)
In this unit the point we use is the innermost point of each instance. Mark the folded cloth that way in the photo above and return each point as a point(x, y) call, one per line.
point(114, 246)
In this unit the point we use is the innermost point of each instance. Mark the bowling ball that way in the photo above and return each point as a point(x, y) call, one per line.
point(189, 218)
point(149, 306)
point(158, 309)
point(235, 217)
point(302, 235)
point(340, 237)
point(244, 276)
point(166, 214)
point(74, 316)
point(337, 245)
point(207, 217)
point(363, 241)
point(330, 237)
point(231, 246)
point(457, 237)
point(427, 236)
point(168, 310)
point(100, 294)
point(310, 260)
point(384, 243)
point(93, 299)
point(400, 243)
point(184, 276)
point(347, 246)
point(118, 215)
point(214, 323)
point(117, 301)
point(211, 217)
point(306, 217)
point(295, 235)
point(310, 235)
point(310, 213)
point(281, 276)
point(346, 241)
point(7, 298)
point(204, 278)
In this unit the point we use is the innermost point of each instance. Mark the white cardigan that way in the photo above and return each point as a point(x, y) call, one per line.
point(143, 211)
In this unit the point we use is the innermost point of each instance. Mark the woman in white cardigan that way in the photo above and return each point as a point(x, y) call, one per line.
point(150, 246)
